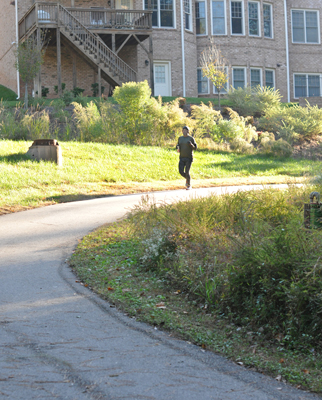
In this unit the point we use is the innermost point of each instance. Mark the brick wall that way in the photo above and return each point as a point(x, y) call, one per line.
point(8, 74)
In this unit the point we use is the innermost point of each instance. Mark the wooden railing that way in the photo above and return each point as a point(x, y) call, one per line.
point(109, 19)
point(93, 44)
point(47, 13)
point(78, 23)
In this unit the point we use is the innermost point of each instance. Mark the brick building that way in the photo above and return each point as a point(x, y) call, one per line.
point(275, 43)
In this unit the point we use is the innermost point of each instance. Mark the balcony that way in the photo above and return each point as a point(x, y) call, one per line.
point(99, 20)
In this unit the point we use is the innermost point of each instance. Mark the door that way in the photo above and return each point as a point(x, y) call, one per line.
point(162, 83)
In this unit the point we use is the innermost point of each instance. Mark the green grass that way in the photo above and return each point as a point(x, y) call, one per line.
point(100, 169)
point(7, 94)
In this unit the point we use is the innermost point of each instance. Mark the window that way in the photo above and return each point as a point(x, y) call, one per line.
point(218, 18)
point(306, 85)
point(305, 28)
point(202, 83)
point(201, 27)
point(239, 77)
point(253, 18)
point(268, 25)
point(163, 10)
point(255, 77)
point(224, 90)
point(187, 13)
point(237, 20)
point(269, 78)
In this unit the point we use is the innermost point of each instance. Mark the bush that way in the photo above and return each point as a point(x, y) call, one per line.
point(67, 97)
point(293, 124)
point(206, 118)
point(240, 145)
point(77, 91)
point(250, 101)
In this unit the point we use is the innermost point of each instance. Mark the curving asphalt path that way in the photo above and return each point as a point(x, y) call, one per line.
point(60, 341)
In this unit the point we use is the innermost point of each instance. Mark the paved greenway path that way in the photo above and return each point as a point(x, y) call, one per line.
point(60, 341)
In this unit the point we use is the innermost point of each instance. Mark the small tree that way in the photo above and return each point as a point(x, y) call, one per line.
point(29, 58)
point(213, 66)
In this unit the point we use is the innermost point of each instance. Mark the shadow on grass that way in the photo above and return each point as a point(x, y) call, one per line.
point(15, 158)
point(255, 164)
point(68, 198)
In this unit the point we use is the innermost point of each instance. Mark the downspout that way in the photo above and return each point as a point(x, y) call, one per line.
point(287, 54)
point(17, 43)
point(182, 52)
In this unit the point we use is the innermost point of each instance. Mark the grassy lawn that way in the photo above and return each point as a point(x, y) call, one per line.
point(92, 169)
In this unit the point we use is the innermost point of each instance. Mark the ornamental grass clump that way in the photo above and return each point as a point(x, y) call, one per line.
point(246, 255)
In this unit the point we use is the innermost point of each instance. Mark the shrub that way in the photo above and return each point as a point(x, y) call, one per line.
point(206, 118)
point(95, 89)
point(89, 122)
point(250, 101)
point(293, 124)
point(67, 97)
point(77, 91)
point(240, 145)
point(63, 86)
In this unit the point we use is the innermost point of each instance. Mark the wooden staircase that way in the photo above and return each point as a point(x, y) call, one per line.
point(114, 70)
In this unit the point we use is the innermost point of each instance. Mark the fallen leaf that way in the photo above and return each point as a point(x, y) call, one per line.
point(185, 312)
point(160, 305)
point(177, 292)
point(203, 346)
point(86, 285)
point(126, 290)
point(282, 360)
point(109, 288)
point(306, 371)
point(240, 363)
point(279, 337)
point(142, 294)
point(139, 310)
point(279, 378)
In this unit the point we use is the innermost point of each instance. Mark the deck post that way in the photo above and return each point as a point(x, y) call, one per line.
point(59, 62)
point(99, 82)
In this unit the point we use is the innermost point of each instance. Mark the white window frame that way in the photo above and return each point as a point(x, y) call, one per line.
point(206, 19)
point(159, 16)
point(304, 10)
point(273, 71)
point(307, 83)
point(272, 19)
point(189, 15)
point(259, 19)
point(225, 17)
point(232, 75)
point(243, 18)
point(208, 92)
point(227, 85)
point(260, 75)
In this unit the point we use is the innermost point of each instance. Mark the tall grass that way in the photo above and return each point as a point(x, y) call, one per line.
point(247, 255)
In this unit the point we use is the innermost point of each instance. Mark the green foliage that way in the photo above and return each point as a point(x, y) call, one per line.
point(250, 101)
point(89, 122)
point(206, 118)
point(246, 255)
point(77, 91)
point(293, 124)
point(37, 125)
point(95, 89)
point(67, 97)
point(63, 86)
point(44, 91)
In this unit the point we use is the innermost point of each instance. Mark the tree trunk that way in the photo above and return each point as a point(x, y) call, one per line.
point(219, 99)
